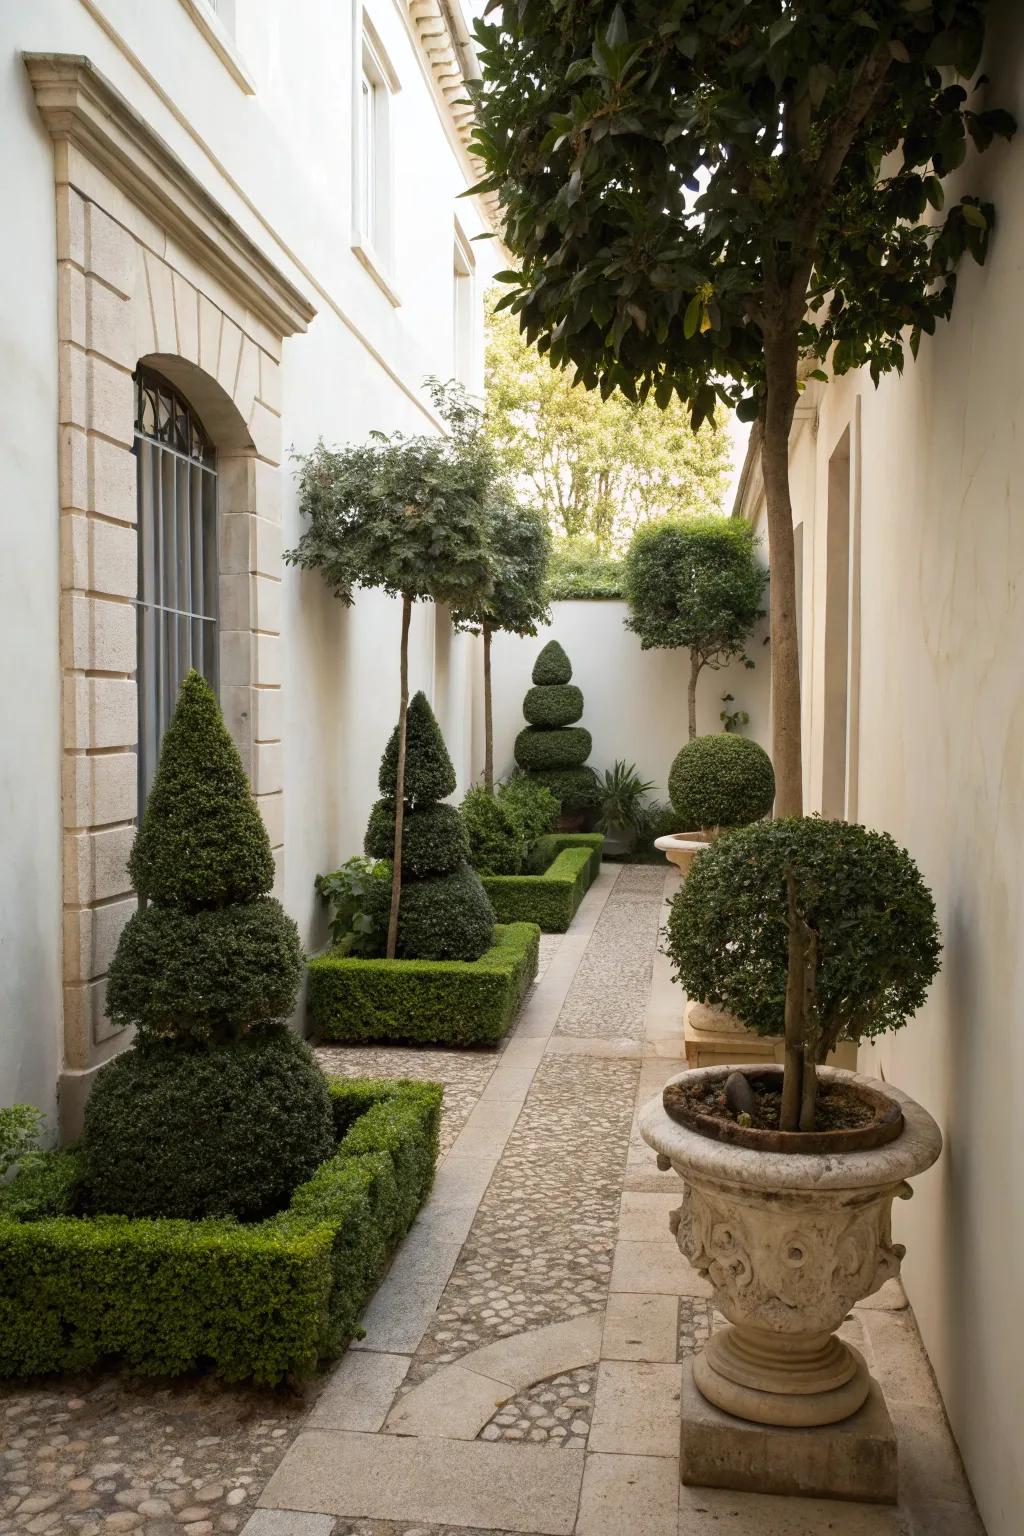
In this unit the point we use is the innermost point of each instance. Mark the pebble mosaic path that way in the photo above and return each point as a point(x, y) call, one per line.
point(520, 1372)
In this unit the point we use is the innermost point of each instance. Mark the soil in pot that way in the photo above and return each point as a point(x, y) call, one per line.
point(850, 1116)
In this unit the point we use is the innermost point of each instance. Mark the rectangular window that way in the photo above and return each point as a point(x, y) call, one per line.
point(373, 234)
point(463, 312)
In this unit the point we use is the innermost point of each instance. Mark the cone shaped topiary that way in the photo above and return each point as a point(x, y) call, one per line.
point(212, 966)
point(444, 913)
point(552, 746)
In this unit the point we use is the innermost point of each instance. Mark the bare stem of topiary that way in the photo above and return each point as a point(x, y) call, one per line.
point(811, 1032)
point(793, 1072)
point(691, 693)
point(488, 715)
point(403, 713)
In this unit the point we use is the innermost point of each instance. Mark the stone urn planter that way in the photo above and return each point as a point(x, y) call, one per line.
point(789, 1240)
point(681, 848)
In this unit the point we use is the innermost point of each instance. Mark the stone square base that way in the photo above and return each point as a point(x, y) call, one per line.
point(855, 1459)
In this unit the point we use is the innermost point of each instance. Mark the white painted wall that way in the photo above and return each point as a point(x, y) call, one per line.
point(634, 700)
point(940, 761)
point(279, 161)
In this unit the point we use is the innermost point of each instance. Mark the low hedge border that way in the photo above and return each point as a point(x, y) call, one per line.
point(425, 1002)
point(258, 1302)
point(551, 899)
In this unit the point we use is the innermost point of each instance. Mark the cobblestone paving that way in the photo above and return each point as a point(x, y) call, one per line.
point(555, 1412)
point(608, 996)
point(101, 1455)
point(463, 1073)
point(540, 1248)
point(697, 1322)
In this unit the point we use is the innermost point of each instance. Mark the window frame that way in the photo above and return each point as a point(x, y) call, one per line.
point(373, 234)
point(464, 350)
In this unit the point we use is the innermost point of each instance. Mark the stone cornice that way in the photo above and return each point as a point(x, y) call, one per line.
point(82, 109)
point(448, 49)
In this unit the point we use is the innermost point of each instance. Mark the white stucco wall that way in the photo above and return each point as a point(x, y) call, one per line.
point(940, 765)
point(279, 162)
point(634, 700)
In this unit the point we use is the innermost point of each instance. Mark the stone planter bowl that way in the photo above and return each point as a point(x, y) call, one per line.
point(681, 848)
point(788, 1242)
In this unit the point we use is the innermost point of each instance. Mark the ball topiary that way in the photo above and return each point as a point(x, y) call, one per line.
point(552, 666)
point(445, 919)
point(434, 840)
point(861, 897)
point(202, 842)
point(224, 1131)
point(555, 704)
point(429, 774)
point(721, 781)
point(495, 831)
point(443, 913)
point(207, 975)
point(567, 747)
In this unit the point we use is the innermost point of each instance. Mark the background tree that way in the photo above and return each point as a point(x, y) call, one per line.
point(694, 583)
point(705, 193)
point(409, 515)
point(597, 469)
point(519, 545)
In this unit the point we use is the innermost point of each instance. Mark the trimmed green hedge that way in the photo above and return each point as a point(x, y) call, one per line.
point(258, 1302)
point(550, 899)
point(538, 748)
point(425, 1002)
point(553, 705)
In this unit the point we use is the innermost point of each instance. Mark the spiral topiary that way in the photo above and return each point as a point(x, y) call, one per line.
point(207, 974)
point(721, 781)
point(551, 746)
point(443, 913)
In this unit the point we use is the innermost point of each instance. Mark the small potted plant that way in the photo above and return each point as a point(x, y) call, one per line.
point(620, 806)
point(715, 782)
point(820, 931)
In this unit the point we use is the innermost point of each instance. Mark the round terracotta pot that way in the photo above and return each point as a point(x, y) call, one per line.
point(789, 1241)
point(681, 848)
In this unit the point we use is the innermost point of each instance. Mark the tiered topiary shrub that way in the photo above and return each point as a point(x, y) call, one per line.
point(721, 781)
point(217, 1110)
point(444, 913)
point(551, 748)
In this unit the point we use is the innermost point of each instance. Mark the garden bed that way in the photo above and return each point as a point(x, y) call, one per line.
point(256, 1302)
point(425, 1002)
point(550, 899)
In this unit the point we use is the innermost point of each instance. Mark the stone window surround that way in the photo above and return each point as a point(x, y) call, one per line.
point(150, 269)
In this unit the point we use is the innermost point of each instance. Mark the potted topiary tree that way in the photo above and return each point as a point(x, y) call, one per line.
point(715, 782)
point(693, 583)
point(821, 931)
point(551, 748)
point(218, 1109)
point(444, 912)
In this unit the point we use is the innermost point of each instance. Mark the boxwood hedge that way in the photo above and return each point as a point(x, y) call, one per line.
point(260, 1302)
point(550, 899)
point(425, 1002)
point(536, 748)
point(554, 705)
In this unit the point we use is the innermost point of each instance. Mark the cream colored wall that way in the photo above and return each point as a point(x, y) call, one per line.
point(940, 761)
point(278, 161)
point(634, 700)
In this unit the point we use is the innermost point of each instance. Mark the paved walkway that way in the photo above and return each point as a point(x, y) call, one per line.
point(521, 1366)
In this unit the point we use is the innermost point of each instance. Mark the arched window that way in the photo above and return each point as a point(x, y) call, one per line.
point(177, 591)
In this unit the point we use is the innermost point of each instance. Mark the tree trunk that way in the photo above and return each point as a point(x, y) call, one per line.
point(793, 1070)
point(488, 716)
point(691, 694)
point(780, 403)
point(403, 714)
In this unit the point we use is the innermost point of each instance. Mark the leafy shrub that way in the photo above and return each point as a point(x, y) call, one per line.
point(206, 975)
point(258, 1302)
point(425, 1002)
point(222, 1131)
point(495, 832)
point(721, 781)
point(47, 1184)
point(552, 666)
point(555, 704)
point(857, 892)
point(448, 918)
point(429, 774)
point(434, 840)
point(20, 1125)
point(535, 805)
point(202, 842)
point(621, 794)
point(575, 789)
point(552, 898)
point(544, 749)
point(578, 570)
point(358, 895)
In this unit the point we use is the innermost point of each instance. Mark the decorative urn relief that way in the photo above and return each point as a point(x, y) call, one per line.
point(789, 1241)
